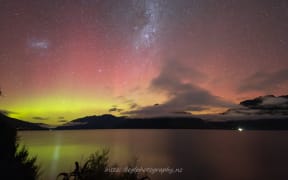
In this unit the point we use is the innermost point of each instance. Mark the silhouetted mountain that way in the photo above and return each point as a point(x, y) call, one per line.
point(262, 113)
point(112, 122)
point(19, 124)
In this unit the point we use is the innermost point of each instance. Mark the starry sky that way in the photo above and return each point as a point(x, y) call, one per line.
point(64, 59)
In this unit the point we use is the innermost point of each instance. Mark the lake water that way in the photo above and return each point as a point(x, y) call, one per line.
point(202, 154)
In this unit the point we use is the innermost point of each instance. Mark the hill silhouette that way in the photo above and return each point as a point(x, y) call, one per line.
point(112, 122)
point(108, 121)
point(19, 124)
point(262, 113)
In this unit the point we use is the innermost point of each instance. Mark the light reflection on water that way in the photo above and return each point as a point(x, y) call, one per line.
point(203, 154)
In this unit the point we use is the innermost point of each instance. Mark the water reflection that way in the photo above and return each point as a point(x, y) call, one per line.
point(203, 154)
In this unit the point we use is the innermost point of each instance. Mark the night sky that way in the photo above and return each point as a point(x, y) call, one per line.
point(64, 59)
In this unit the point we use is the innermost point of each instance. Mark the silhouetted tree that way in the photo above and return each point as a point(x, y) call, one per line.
point(15, 162)
point(97, 167)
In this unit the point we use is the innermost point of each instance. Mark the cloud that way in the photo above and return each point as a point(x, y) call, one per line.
point(267, 102)
point(115, 109)
point(179, 83)
point(130, 102)
point(62, 121)
point(133, 105)
point(40, 118)
point(264, 106)
point(264, 81)
point(276, 101)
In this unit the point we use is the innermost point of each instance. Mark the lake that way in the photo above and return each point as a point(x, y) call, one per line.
point(194, 154)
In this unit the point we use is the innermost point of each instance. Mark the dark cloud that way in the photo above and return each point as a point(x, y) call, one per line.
point(267, 102)
point(264, 81)
point(176, 77)
point(198, 108)
point(182, 113)
point(40, 118)
point(62, 121)
point(262, 106)
point(133, 105)
point(127, 102)
point(178, 82)
point(115, 109)
point(281, 102)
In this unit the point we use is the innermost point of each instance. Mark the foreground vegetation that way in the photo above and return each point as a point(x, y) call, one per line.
point(15, 162)
point(97, 167)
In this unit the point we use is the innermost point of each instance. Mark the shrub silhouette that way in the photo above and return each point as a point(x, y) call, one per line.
point(15, 162)
point(97, 167)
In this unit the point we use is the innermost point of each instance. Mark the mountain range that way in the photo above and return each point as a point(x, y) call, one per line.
point(265, 112)
point(262, 113)
point(108, 121)
point(19, 124)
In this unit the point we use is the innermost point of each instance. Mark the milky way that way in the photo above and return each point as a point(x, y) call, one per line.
point(60, 60)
